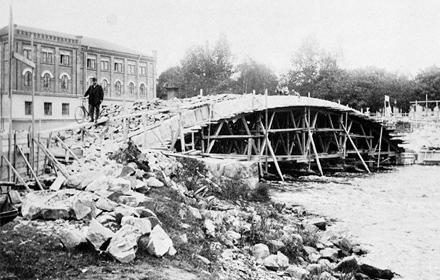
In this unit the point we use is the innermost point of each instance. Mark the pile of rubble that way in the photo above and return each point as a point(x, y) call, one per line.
point(108, 204)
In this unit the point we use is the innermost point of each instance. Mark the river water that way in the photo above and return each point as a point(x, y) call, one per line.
point(395, 215)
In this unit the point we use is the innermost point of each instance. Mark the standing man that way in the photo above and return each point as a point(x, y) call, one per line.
point(96, 95)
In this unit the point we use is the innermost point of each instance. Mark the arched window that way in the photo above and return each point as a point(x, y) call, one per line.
point(142, 90)
point(131, 89)
point(64, 82)
point(118, 87)
point(46, 81)
point(104, 85)
point(28, 79)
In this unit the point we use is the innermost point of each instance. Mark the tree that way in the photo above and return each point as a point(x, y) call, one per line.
point(170, 78)
point(208, 69)
point(428, 84)
point(314, 71)
point(252, 75)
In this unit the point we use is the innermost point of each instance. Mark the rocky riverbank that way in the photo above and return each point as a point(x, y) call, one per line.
point(137, 208)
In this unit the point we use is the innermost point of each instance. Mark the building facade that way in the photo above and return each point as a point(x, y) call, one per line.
point(64, 67)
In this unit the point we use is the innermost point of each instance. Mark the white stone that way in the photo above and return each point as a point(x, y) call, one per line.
point(84, 206)
point(271, 262)
point(260, 251)
point(143, 224)
point(282, 260)
point(105, 204)
point(71, 238)
point(209, 227)
point(101, 183)
point(159, 243)
point(123, 246)
point(120, 185)
point(194, 212)
point(297, 272)
point(97, 234)
point(154, 182)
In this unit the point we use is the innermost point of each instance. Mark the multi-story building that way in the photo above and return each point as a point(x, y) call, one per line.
point(64, 67)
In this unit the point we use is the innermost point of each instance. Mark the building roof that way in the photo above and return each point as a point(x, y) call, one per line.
point(85, 41)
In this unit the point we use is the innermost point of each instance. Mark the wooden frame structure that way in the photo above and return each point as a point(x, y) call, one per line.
point(311, 137)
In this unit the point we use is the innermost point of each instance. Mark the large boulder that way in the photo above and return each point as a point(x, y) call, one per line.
point(142, 224)
point(330, 254)
point(296, 272)
point(99, 184)
point(275, 262)
point(123, 246)
point(105, 204)
point(97, 234)
point(260, 251)
point(61, 211)
point(160, 243)
point(84, 206)
point(71, 238)
point(32, 204)
point(154, 182)
point(120, 185)
point(347, 264)
point(81, 180)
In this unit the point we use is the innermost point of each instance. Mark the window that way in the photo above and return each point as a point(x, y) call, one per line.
point(28, 108)
point(27, 53)
point(131, 88)
point(91, 63)
point(47, 108)
point(131, 69)
point(46, 81)
point(65, 109)
point(143, 70)
point(142, 90)
point(104, 65)
point(118, 88)
point(28, 79)
point(64, 59)
point(105, 86)
point(118, 67)
point(64, 82)
point(47, 57)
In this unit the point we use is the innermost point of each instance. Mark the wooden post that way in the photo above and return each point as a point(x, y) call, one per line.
point(380, 146)
point(145, 124)
point(314, 149)
point(16, 174)
point(48, 145)
point(38, 153)
point(267, 126)
point(32, 136)
point(11, 52)
point(181, 134)
point(14, 163)
point(1, 157)
point(249, 150)
point(269, 146)
point(29, 166)
point(355, 148)
point(124, 123)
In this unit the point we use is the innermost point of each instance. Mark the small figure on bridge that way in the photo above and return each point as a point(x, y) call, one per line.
point(96, 96)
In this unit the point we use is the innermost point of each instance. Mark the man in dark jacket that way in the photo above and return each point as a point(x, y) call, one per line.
point(96, 95)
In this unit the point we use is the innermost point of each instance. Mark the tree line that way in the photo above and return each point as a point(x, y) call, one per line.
point(313, 71)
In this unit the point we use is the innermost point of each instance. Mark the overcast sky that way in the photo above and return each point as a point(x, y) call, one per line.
point(397, 35)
